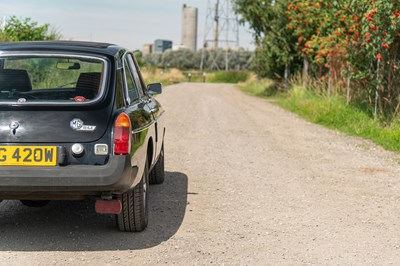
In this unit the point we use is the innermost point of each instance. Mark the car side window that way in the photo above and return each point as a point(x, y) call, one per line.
point(130, 83)
point(136, 76)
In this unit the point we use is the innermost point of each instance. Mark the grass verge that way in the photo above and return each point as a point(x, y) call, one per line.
point(166, 77)
point(258, 87)
point(173, 76)
point(334, 113)
point(228, 77)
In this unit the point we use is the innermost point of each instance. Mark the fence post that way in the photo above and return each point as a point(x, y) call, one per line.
point(348, 85)
point(305, 71)
point(377, 89)
point(287, 76)
point(329, 82)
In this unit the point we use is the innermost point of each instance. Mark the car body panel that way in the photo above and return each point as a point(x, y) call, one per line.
point(44, 127)
point(53, 124)
point(158, 115)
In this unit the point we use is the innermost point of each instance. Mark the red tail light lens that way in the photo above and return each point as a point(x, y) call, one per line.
point(122, 135)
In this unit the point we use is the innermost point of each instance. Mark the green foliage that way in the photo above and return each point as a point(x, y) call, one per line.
point(229, 77)
point(260, 88)
point(275, 49)
point(182, 59)
point(4, 37)
point(43, 71)
point(152, 60)
point(27, 30)
point(139, 57)
point(216, 59)
point(185, 59)
point(341, 39)
point(169, 76)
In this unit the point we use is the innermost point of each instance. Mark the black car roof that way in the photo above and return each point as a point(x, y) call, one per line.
point(76, 46)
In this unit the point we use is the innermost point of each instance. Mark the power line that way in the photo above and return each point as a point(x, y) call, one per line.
point(224, 24)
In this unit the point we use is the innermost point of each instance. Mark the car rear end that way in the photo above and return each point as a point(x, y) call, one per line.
point(58, 126)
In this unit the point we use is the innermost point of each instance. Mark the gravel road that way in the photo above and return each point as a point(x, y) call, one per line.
point(247, 184)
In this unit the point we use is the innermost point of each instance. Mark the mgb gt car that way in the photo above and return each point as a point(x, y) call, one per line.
point(77, 121)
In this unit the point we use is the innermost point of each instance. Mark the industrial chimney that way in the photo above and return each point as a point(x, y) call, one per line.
point(189, 27)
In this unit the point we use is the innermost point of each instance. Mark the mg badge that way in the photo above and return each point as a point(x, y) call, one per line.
point(76, 124)
point(14, 125)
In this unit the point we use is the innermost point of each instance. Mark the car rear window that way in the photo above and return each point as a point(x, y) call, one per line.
point(51, 78)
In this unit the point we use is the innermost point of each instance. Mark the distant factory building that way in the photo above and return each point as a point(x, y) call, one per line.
point(161, 45)
point(147, 49)
point(189, 27)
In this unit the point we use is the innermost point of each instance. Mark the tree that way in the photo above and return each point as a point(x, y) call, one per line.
point(356, 40)
point(139, 57)
point(28, 30)
point(275, 53)
point(186, 59)
point(182, 59)
point(4, 37)
point(358, 37)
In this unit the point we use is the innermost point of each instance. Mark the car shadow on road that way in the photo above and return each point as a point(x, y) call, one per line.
point(74, 225)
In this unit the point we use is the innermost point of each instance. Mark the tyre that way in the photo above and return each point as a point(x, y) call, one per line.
point(35, 203)
point(157, 174)
point(135, 210)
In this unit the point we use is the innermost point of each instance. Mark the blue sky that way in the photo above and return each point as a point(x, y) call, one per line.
point(128, 23)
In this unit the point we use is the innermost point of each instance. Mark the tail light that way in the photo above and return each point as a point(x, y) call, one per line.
point(122, 135)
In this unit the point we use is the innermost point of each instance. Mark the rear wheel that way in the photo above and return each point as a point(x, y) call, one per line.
point(157, 174)
point(35, 203)
point(134, 214)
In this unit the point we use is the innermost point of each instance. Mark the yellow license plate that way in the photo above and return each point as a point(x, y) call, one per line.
point(28, 155)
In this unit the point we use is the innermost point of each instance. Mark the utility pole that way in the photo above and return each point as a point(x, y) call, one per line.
point(223, 26)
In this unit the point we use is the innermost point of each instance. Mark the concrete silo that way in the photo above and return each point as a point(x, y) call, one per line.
point(189, 27)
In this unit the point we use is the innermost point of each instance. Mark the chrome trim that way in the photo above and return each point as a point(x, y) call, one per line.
point(98, 145)
point(128, 65)
point(144, 127)
point(105, 74)
point(126, 93)
point(161, 114)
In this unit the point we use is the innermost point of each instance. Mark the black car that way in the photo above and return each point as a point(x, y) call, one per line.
point(78, 121)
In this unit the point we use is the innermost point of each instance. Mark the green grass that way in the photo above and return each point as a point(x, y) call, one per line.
point(165, 76)
point(228, 77)
point(260, 88)
point(332, 112)
point(173, 76)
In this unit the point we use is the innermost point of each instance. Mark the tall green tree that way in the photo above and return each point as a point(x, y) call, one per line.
point(275, 51)
point(347, 44)
point(28, 30)
point(4, 37)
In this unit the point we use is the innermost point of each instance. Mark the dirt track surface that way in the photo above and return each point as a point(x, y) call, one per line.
point(247, 184)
